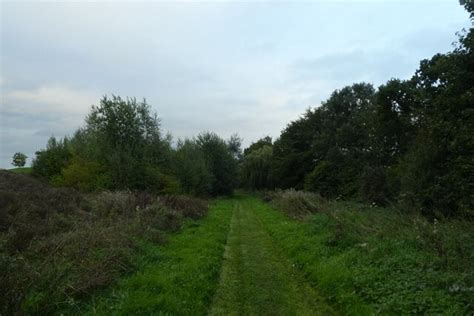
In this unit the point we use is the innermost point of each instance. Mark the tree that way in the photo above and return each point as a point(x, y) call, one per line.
point(329, 142)
point(222, 163)
point(256, 167)
point(191, 168)
point(438, 170)
point(49, 162)
point(292, 155)
point(127, 141)
point(19, 159)
point(267, 140)
point(235, 146)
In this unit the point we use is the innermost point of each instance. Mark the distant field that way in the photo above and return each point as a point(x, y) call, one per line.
point(21, 170)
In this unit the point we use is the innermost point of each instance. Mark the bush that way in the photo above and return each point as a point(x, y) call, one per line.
point(50, 161)
point(191, 168)
point(297, 204)
point(221, 162)
point(381, 259)
point(83, 175)
point(256, 168)
point(58, 246)
point(323, 179)
point(373, 185)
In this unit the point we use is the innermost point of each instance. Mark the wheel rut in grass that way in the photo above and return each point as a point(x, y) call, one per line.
point(256, 278)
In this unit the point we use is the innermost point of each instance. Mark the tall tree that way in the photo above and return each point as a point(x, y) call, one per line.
point(221, 162)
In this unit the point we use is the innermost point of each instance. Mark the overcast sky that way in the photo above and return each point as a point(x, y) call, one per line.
point(245, 67)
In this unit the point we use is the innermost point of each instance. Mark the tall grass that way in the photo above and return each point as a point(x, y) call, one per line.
point(58, 246)
point(375, 260)
point(297, 204)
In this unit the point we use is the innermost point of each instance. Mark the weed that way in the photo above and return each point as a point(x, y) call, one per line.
point(57, 246)
point(374, 260)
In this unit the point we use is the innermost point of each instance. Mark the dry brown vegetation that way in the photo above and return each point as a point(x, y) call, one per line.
point(296, 204)
point(58, 245)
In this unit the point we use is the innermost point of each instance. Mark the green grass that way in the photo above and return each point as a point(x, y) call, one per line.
point(22, 170)
point(179, 278)
point(248, 258)
point(305, 247)
point(371, 260)
point(257, 279)
point(224, 264)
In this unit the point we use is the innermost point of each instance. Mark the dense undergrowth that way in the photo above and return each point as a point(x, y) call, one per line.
point(179, 278)
point(375, 260)
point(57, 246)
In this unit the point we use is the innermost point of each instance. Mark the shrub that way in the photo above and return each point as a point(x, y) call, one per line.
point(187, 206)
point(221, 162)
point(323, 179)
point(83, 175)
point(58, 246)
point(191, 168)
point(297, 204)
point(50, 161)
point(373, 185)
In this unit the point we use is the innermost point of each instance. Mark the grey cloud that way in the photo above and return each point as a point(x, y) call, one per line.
point(240, 67)
point(353, 66)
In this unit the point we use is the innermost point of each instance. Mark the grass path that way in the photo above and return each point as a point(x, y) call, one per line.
point(179, 278)
point(256, 278)
point(224, 264)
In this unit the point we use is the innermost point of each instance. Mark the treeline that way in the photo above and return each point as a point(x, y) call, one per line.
point(409, 141)
point(121, 147)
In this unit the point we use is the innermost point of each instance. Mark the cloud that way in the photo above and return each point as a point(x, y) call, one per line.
point(28, 117)
point(47, 99)
point(353, 66)
point(228, 67)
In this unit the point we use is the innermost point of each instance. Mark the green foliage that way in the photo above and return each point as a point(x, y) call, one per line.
point(207, 165)
point(235, 146)
point(58, 247)
point(49, 162)
point(83, 175)
point(331, 138)
point(179, 278)
point(374, 185)
point(408, 141)
point(469, 5)
point(257, 278)
point(191, 168)
point(291, 158)
point(19, 160)
point(296, 204)
point(444, 143)
point(256, 166)
point(21, 170)
point(221, 162)
point(323, 179)
point(121, 147)
point(265, 141)
point(370, 260)
point(123, 130)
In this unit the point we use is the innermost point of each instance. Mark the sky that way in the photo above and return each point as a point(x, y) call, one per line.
point(224, 66)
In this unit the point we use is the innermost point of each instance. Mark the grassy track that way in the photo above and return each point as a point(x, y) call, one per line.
point(257, 279)
point(305, 244)
point(182, 278)
point(225, 264)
